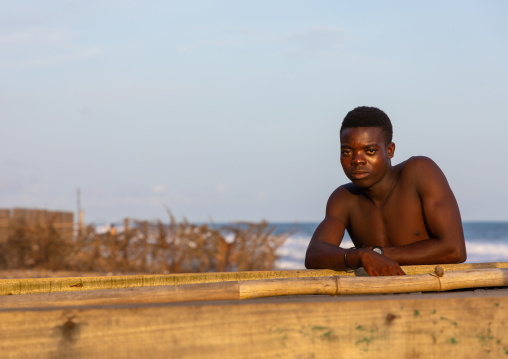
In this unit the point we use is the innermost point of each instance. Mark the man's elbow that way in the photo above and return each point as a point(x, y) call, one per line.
point(461, 258)
point(309, 263)
point(311, 260)
point(456, 255)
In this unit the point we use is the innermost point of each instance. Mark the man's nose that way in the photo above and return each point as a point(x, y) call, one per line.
point(358, 159)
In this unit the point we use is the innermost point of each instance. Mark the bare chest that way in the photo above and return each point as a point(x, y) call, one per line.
point(398, 221)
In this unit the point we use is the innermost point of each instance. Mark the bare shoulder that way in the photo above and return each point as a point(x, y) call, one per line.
point(418, 166)
point(424, 173)
point(344, 193)
point(416, 162)
point(340, 201)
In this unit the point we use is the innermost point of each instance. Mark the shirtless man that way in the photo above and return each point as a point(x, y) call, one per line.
point(395, 215)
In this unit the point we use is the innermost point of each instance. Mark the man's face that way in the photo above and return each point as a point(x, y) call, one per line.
point(365, 157)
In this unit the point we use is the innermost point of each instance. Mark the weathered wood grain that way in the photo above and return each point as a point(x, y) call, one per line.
point(393, 327)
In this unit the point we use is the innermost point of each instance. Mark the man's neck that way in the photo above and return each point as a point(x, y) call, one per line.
point(380, 192)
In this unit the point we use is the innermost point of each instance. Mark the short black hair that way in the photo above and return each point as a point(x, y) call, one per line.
point(365, 116)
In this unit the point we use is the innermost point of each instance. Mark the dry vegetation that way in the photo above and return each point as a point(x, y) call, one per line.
point(141, 247)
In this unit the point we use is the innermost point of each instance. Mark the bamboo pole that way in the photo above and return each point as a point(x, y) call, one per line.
point(336, 285)
point(78, 284)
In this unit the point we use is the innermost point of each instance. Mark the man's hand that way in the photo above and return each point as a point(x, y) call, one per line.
point(376, 264)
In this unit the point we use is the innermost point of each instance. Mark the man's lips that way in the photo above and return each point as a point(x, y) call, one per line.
point(359, 174)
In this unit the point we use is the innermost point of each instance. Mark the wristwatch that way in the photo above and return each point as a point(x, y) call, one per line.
point(379, 250)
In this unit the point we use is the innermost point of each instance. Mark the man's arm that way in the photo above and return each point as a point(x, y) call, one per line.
point(324, 252)
point(442, 220)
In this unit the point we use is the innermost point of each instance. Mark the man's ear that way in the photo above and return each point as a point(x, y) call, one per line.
point(390, 149)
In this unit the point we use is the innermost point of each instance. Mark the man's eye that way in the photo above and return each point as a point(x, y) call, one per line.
point(345, 152)
point(370, 152)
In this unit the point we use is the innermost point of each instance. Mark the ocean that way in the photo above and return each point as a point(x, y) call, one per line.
point(485, 242)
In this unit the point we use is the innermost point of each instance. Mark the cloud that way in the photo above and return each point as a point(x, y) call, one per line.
point(220, 187)
point(59, 59)
point(316, 41)
point(24, 195)
point(160, 188)
point(42, 46)
point(41, 37)
point(135, 91)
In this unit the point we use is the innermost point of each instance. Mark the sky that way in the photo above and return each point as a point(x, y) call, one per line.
point(230, 110)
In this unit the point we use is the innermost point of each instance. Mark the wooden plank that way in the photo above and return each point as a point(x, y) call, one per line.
point(333, 286)
point(431, 327)
point(49, 285)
